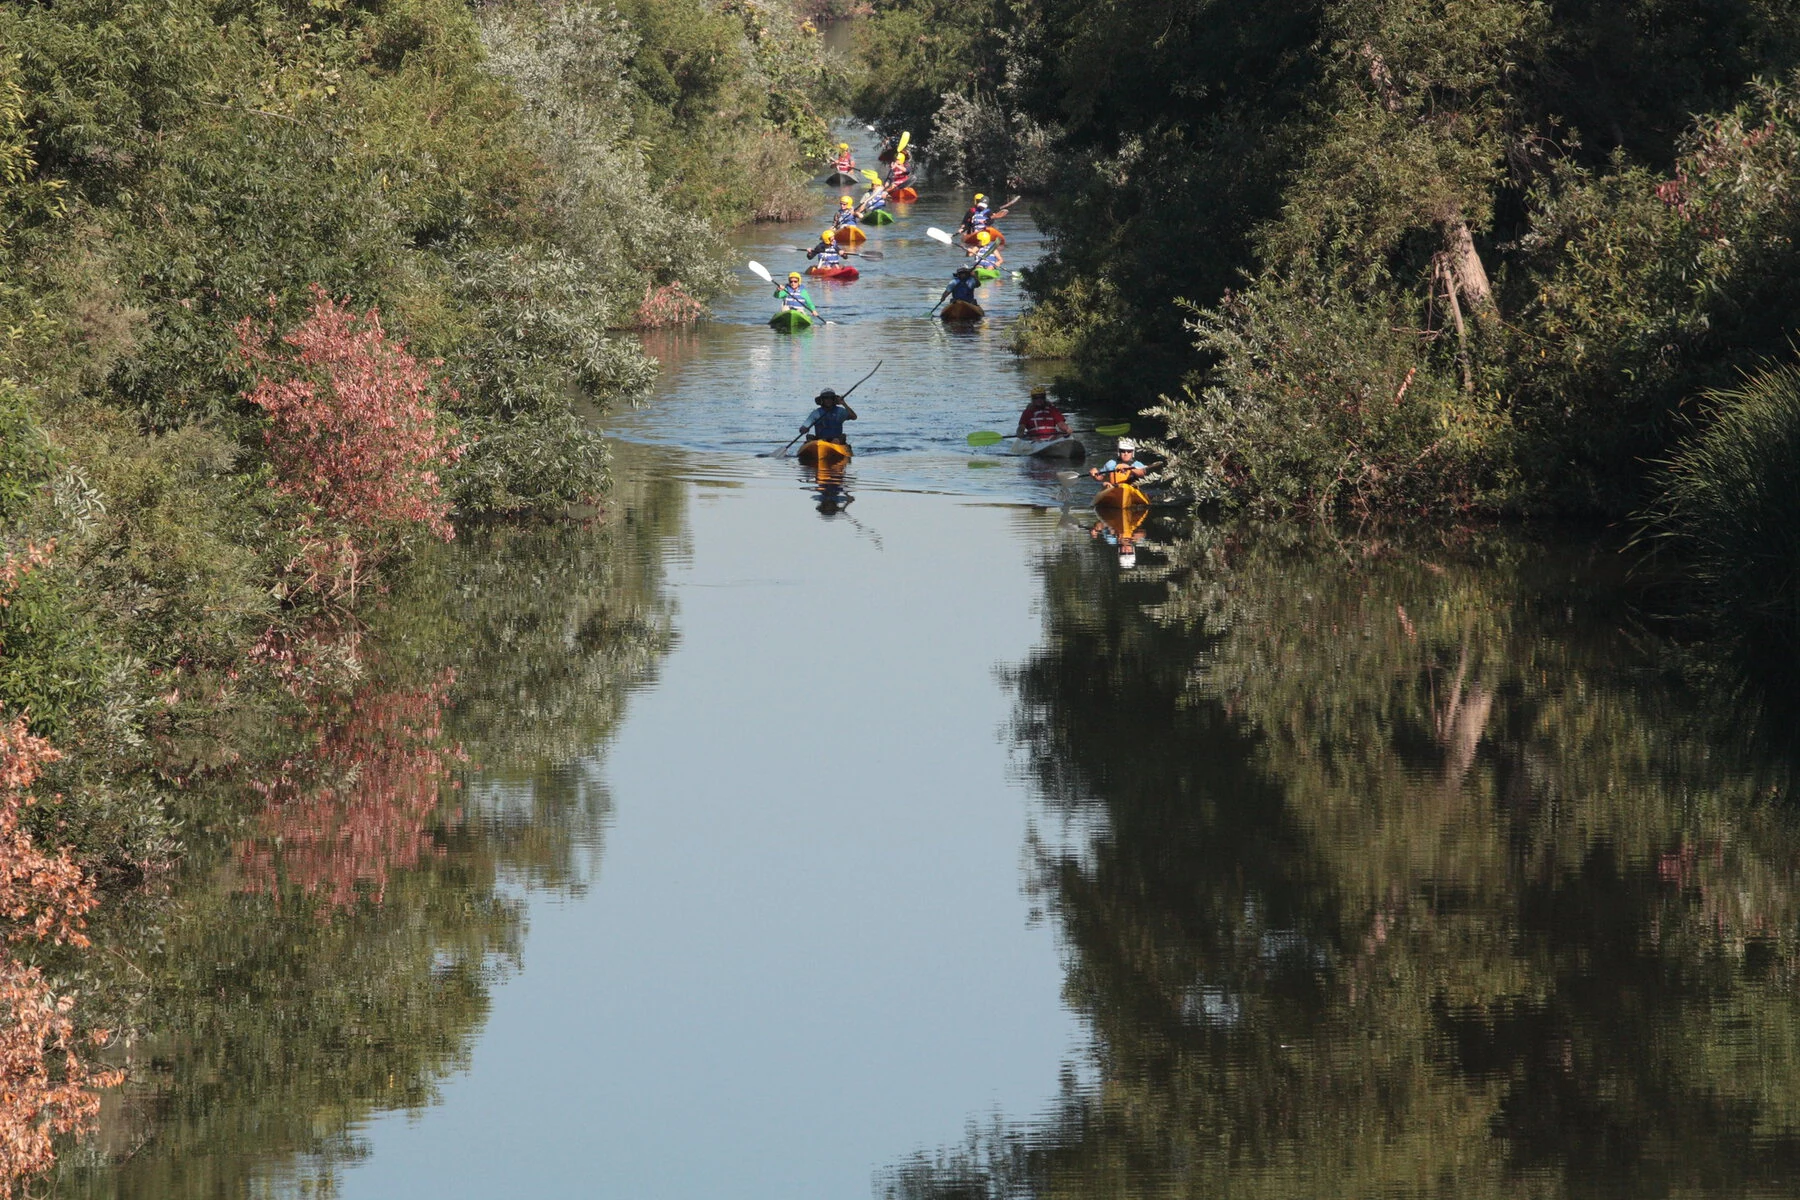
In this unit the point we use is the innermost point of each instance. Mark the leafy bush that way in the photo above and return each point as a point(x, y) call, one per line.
point(1728, 504)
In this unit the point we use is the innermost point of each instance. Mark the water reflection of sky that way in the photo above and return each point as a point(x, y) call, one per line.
point(808, 950)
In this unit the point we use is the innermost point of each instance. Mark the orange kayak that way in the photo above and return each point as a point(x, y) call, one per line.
point(850, 235)
point(824, 454)
point(906, 195)
point(1121, 496)
point(969, 239)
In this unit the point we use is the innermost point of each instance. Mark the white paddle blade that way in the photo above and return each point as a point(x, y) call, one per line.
point(938, 235)
point(761, 272)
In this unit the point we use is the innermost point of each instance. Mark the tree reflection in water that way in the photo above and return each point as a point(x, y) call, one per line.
point(1398, 869)
point(331, 957)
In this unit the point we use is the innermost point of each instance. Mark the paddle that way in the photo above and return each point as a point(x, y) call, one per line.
point(762, 273)
point(938, 235)
point(985, 437)
point(871, 255)
point(1119, 430)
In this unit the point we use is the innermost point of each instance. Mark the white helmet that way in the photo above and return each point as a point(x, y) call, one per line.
point(1127, 444)
point(1127, 559)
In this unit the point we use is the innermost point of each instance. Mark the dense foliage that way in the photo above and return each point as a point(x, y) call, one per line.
point(287, 284)
point(1468, 256)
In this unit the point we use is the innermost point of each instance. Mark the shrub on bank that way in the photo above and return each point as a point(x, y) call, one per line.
point(1728, 504)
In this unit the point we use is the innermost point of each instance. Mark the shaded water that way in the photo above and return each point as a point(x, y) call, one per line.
point(881, 836)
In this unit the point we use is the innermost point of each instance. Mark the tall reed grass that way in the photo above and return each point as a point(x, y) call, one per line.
point(1728, 504)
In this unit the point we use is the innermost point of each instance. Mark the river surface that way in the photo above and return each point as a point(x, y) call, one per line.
point(883, 835)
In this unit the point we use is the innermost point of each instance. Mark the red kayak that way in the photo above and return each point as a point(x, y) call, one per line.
point(843, 274)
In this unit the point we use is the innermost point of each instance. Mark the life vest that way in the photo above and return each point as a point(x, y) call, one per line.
point(1040, 424)
point(829, 257)
point(794, 297)
point(989, 258)
point(845, 163)
point(963, 289)
point(897, 178)
point(845, 216)
point(873, 200)
point(979, 218)
point(830, 424)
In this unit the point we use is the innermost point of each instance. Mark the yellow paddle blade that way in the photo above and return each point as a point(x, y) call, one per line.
point(873, 177)
point(904, 139)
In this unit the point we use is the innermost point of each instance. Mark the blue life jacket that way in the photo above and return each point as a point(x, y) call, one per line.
point(979, 218)
point(963, 289)
point(845, 216)
point(794, 296)
point(828, 423)
point(989, 257)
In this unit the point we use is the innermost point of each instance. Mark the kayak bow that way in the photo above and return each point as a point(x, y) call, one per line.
point(791, 320)
point(1121, 496)
point(821, 453)
point(843, 273)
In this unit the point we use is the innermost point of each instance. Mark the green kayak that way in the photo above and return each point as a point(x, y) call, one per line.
point(880, 216)
point(791, 320)
point(986, 273)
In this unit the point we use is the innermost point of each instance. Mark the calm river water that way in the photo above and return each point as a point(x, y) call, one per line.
point(884, 837)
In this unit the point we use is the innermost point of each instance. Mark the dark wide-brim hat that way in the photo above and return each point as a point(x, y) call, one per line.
point(827, 394)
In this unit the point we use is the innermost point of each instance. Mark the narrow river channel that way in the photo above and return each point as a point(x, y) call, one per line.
point(886, 838)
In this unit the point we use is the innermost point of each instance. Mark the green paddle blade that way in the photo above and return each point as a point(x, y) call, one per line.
point(1119, 430)
point(986, 437)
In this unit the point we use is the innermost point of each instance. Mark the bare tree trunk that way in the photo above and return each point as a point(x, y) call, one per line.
point(1443, 272)
point(1466, 270)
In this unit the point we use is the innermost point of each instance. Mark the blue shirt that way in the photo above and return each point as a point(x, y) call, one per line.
point(963, 289)
point(828, 423)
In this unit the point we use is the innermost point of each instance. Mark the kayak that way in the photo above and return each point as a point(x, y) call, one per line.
point(843, 273)
point(906, 195)
point(791, 320)
point(969, 239)
point(850, 235)
point(880, 217)
point(824, 454)
point(1056, 447)
point(839, 179)
point(1121, 495)
point(986, 274)
point(962, 310)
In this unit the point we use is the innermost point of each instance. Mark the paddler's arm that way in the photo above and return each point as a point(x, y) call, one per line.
point(849, 413)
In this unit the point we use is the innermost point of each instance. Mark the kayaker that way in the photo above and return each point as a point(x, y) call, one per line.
point(899, 175)
point(962, 286)
point(846, 213)
point(826, 252)
point(827, 420)
point(1041, 419)
point(985, 252)
point(978, 217)
point(874, 198)
point(794, 295)
point(1123, 467)
point(845, 162)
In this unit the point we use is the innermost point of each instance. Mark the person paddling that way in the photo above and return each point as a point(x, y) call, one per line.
point(899, 175)
point(794, 295)
point(985, 252)
point(1042, 420)
point(874, 198)
point(845, 162)
point(827, 420)
point(978, 217)
point(846, 213)
point(962, 287)
point(826, 252)
point(1122, 468)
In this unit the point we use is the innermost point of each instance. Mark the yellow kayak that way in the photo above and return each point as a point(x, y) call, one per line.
point(820, 453)
point(1121, 495)
point(850, 235)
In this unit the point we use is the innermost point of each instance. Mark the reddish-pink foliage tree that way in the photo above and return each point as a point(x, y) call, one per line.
point(358, 805)
point(354, 432)
point(46, 1086)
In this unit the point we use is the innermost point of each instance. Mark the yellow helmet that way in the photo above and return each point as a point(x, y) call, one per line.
point(793, 277)
point(843, 145)
point(980, 196)
point(828, 236)
point(845, 202)
point(984, 237)
point(899, 158)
